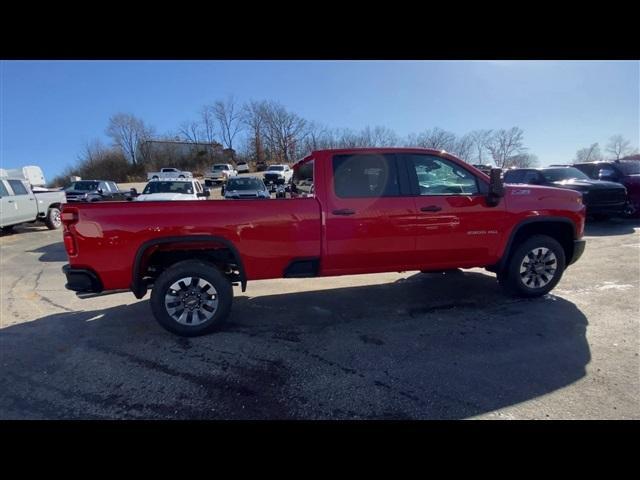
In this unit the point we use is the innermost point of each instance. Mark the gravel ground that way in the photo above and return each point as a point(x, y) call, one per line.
point(385, 346)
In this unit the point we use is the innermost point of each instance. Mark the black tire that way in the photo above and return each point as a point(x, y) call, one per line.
point(52, 220)
point(8, 229)
point(181, 176)
point(525, 284)
point(191, 269)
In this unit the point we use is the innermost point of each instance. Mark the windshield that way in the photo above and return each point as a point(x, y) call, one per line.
point(244, 184)
point(220, 167)
point(83, 186)
point(629, 168)
point(168, 187)
point(559, 174)
point(277, 168)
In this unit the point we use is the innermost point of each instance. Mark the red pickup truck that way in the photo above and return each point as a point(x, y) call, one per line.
point(348, 212)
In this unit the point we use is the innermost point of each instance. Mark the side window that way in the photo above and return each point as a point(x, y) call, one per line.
point(365, 175)
point(588, 170)
point(3, 190)
point(18, 187)
point(103, 186)
point(302, 181)
point(198, 187)
point(113, 186)
point(438, 176)
point(532, 177)
point(513, 176)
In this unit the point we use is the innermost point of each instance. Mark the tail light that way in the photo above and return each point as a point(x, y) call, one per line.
point(70, 244)
point(69, 215)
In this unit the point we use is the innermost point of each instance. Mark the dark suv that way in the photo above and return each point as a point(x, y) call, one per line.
point(602, 199)
point(626, 172)
point(94, 191)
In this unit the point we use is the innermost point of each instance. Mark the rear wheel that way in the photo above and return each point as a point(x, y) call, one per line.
point(52, 220)
point(191, 298)
point(535, 267)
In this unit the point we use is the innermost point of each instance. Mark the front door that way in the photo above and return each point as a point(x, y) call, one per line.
point(370, 215)
point(455, 227)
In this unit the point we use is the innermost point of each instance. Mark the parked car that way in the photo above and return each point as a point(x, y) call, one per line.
point(94, 191)
point(173, 189)
point(277, 175)
point(625, 172)
point(19, 204)
point(369, 213)
point(168, 173)
point(240, 188)
point(602, 199)
point(242, 167)
point(220, 173)
point(261, 166)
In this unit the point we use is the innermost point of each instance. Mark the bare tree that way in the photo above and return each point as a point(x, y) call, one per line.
point(589, 154)
point(522, 160)
point(128, 133)
point(285, 131)
point(480, 140)
point(464, 147)
point(619, 146)
point(504, 144)
point(191, 132)
point(229, 118)
point(208, 124)
point(253, 117)
point(437, 139)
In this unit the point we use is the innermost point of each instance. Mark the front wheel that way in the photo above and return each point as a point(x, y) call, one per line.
point(191, 298)
point(535, 267)
point(52, 220)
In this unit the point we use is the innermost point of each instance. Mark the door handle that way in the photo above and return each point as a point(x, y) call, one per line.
point(9, 201)
point(344, 211)
point(431, 208)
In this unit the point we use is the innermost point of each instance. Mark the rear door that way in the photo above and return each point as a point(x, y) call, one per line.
point(25, 201)
point(370, 215)
point(455, 227)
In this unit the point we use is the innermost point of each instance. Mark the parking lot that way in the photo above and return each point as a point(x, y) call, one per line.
point(385, 346)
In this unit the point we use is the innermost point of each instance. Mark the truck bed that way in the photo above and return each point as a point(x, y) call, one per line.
point(268, 234)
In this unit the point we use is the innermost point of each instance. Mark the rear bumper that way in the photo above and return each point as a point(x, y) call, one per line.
point(81, 280)
point(578, 250)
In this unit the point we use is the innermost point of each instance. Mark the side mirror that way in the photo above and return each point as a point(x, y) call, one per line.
point(99, 191)
point(607, 174)
point(496, 187)
point(222, 189)
point(205, 193)
point(133, 192)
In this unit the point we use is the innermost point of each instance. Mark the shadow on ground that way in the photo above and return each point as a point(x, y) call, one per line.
point(612, 226)
point(54, 252)
point(431, 346)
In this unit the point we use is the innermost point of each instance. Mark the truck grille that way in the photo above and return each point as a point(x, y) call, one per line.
point(272, 177)
point(605, 197)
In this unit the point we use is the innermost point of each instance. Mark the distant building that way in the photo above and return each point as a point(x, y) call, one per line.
point(178, 149)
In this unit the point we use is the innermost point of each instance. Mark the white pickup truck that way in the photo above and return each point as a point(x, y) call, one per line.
point(19, 204)
point(168, 173)
point(219, 173)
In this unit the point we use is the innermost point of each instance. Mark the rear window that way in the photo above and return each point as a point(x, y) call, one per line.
point(168, 187)
point(302, 181)
point(365, 175)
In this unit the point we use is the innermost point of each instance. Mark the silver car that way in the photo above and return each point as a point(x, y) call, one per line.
point(245, 188)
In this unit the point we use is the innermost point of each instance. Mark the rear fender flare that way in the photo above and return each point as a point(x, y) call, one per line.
point(138, 287)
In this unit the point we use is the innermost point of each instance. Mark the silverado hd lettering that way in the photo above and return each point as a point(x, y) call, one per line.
point(351, 211)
